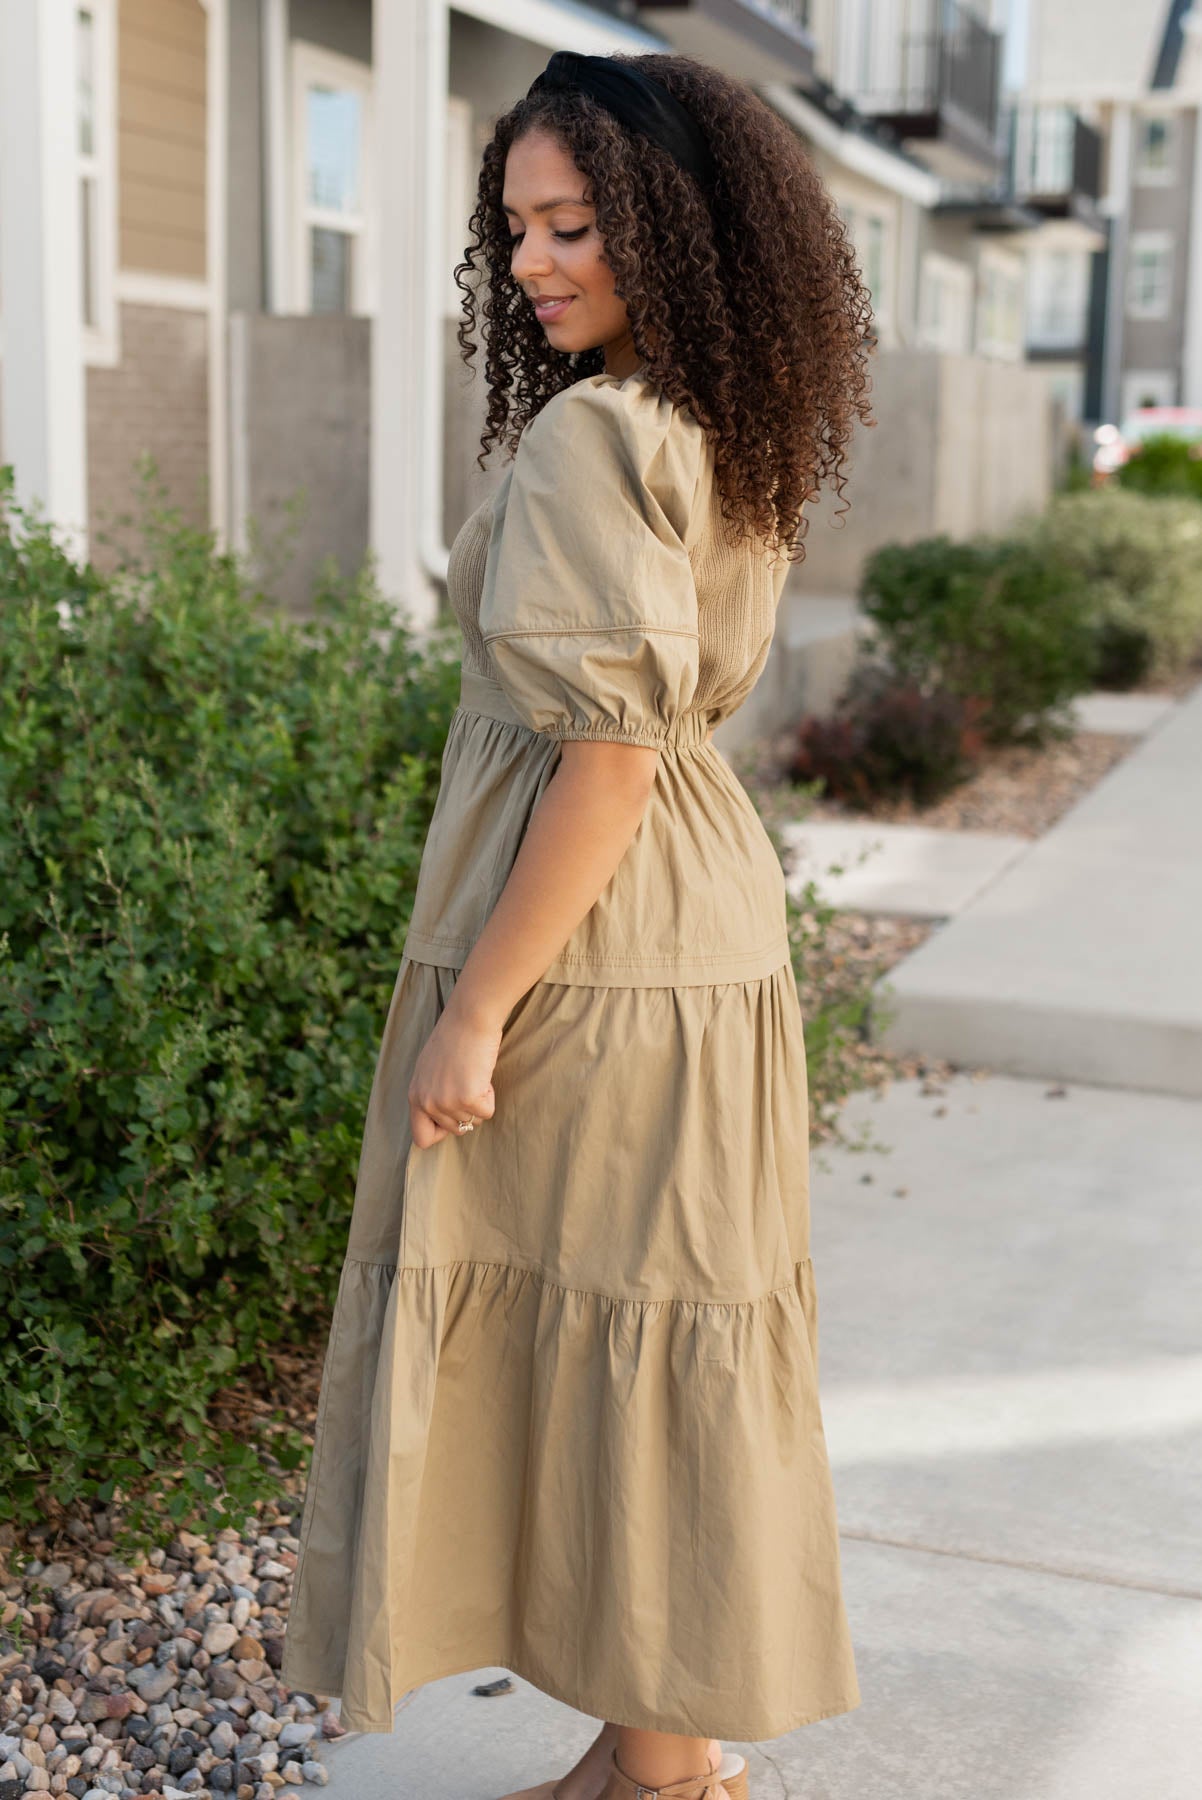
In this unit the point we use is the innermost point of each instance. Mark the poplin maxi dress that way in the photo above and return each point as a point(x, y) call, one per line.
point(569, 1421)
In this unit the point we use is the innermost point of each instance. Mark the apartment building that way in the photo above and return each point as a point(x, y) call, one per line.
point(233, 249)
point(111, 248)
point(1121, 327)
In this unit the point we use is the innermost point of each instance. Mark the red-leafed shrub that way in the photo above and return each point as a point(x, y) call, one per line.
point(890, 737)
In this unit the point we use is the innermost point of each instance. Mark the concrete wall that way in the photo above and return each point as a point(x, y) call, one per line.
point(155, 400)
point(961, 444)
point(300, 410)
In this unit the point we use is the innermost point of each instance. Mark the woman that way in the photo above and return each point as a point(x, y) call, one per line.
point(569, 1420)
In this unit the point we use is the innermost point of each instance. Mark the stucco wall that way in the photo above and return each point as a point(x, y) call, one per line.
point(300, 407)
point(961, 444)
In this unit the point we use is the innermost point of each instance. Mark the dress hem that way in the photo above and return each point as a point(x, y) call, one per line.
point(635, 1720)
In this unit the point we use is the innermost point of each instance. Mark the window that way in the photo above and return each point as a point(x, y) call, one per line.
point(1149, 275)
point(871, 241)
point(332, 138)
point(945, 303)
point(869, 232)
point(1154, 150)
point(1000, 307)
point(1058, 299)
point(1067, 388)
point(95, 160)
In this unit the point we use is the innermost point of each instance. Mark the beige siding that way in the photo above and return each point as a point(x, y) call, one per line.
point(161, 136)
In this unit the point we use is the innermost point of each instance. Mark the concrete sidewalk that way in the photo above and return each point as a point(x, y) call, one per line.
point(1083, 959)
point(1011, 1368)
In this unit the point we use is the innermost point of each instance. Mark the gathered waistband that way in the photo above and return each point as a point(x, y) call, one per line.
point(481, 694)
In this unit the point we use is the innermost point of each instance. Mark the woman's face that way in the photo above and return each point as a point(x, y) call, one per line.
point(558, 254)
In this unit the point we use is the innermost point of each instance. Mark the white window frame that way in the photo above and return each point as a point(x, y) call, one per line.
point(1150, 243)
point(460, 194)
point(312, 64)
point(1145, 174)
point(860, 221)
point(954, 278)
point(1057, 312)
point(101, 340)
point(882, 297)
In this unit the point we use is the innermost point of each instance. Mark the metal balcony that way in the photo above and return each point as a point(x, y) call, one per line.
point(942, 100)
point(755, 40)
point(1056, 162)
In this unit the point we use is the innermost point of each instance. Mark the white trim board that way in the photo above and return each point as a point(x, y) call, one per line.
point(102, 341)
point(142, 287)
point(559, 25)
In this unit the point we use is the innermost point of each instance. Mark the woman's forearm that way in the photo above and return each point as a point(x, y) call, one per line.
point(585, 819)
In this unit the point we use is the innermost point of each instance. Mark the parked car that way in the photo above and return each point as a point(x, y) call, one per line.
point(1116, 444)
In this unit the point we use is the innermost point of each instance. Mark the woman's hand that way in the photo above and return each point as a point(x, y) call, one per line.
point(452, 1078)
point(576, 836)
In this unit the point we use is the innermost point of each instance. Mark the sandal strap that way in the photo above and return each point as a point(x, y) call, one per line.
point(691, 1787)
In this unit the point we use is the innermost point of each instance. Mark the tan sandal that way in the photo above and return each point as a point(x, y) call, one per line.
point(731, 1774)
point(726, 1782)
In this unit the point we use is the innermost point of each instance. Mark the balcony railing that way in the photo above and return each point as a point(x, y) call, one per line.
point(1055, 156)
point(793, 12)
point(948, 60)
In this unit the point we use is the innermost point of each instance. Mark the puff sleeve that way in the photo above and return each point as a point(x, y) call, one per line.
point(588, 608)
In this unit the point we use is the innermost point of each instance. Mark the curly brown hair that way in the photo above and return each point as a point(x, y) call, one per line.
point(747, 306)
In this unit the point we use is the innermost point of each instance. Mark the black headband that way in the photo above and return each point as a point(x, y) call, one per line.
point(636, 101)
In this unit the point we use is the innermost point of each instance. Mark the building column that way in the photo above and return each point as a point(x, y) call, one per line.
point(1118, 208)
point(42, 430)
point(410, 49)
point(1191, 373)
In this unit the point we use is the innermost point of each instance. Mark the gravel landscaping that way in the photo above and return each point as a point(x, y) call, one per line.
point(1018, 789)
point(155, 1677)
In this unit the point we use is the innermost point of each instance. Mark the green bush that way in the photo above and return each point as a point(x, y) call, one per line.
point(210, 826)
point(1163, 464)
point(993, 620)
point(1139, 558)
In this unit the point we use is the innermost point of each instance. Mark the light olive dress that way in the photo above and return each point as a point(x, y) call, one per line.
point(569, 1421)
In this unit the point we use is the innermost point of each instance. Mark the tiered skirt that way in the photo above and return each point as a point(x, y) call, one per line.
point(569, 1422)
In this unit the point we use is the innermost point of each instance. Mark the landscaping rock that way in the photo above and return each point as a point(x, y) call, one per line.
point(156, 1679)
